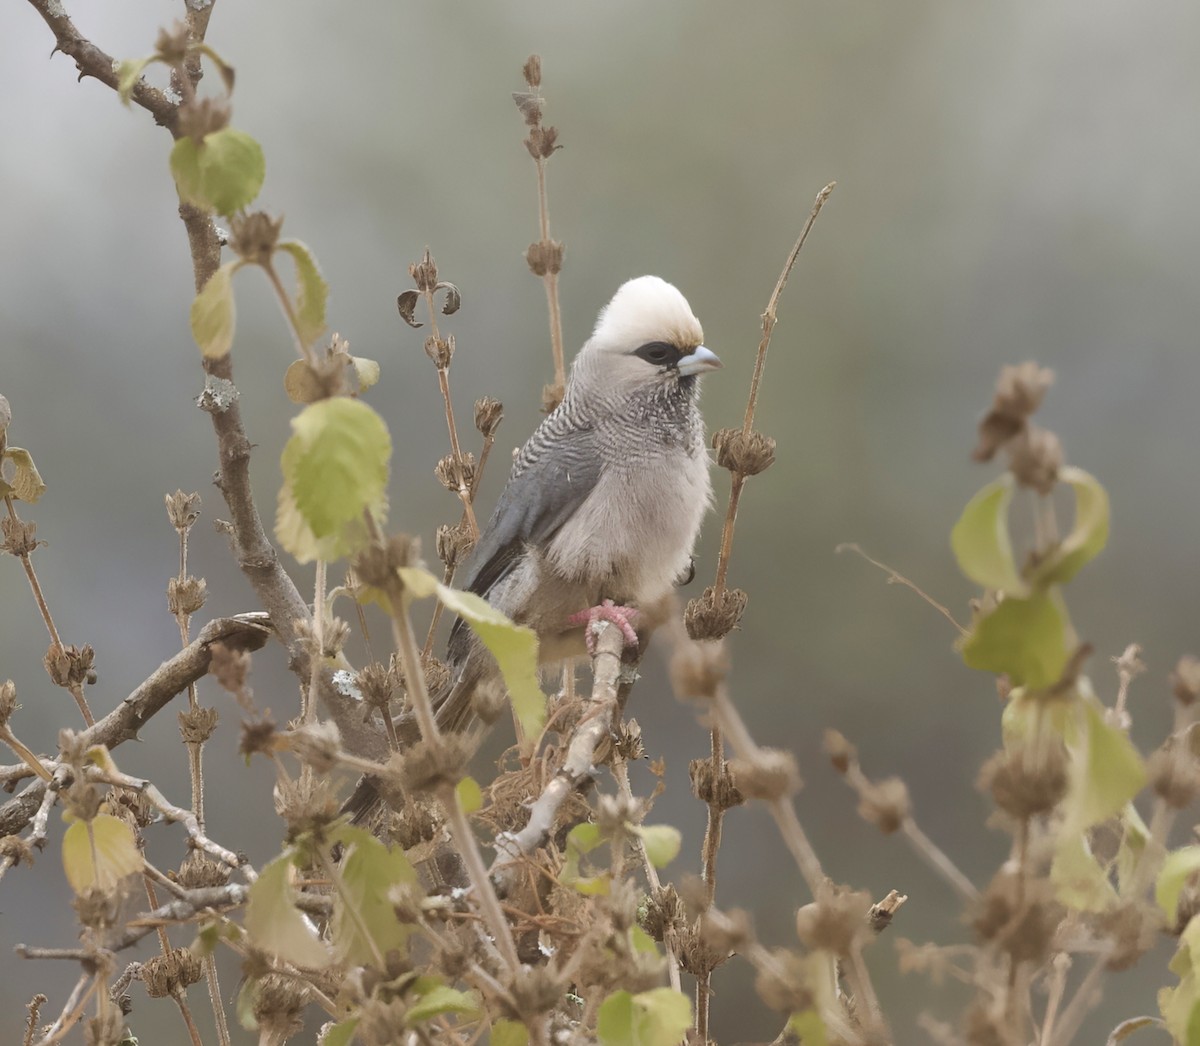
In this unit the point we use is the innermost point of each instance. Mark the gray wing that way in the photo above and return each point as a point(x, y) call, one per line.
point(554, 473)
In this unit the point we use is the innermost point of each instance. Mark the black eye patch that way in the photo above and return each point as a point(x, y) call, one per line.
point(660, 354)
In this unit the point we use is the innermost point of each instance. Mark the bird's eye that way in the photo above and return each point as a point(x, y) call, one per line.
point(659, 353)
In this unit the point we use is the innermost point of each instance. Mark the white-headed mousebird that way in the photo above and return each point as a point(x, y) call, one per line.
point(604, 503)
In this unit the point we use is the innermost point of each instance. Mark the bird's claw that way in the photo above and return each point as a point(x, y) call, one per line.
point(622, 617)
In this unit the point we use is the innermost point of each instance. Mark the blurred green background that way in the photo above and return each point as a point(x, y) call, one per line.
point(1014, 181)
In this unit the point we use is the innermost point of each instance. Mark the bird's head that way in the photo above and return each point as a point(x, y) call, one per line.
point(646, 337)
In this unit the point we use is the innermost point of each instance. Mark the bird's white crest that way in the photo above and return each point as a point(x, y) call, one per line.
point(643, 310)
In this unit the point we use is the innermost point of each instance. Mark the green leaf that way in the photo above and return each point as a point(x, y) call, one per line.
point(808, 1027)
point(582, 839)
point(655, 1018)
point(1106, 770)
point(981, 543)
point(365, 927)
point(1088, 536)
point(26, 484)
point(470, 795)
point(509, 1033)
point(441, 999)
point(339, 1034)
point(662, 843)
point(312, 291)
point(1025, 638)
point(335, 468)
point(129, 71)
point(1179, 866)
point(99, 853)
point(223, 173)
point(275, 924)
point(1132, 851)
point(514, 647)
point(642, 941)
point(1079, 881)
point(212, 315)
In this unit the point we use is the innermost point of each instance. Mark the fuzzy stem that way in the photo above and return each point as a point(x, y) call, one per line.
point(289, 313)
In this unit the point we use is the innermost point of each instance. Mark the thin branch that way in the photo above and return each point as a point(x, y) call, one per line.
point(896, 578)
point(172, 813)
point(245, 632)
point(578, 768)
point(181, 910)
point(91, 61)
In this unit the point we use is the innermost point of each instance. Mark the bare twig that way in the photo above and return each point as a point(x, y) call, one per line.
point(578, 768)
point(245, 632)
point(172, 813)
point(769, 319)
point(896, 578)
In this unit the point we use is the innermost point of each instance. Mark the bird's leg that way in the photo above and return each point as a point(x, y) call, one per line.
point(622, 617)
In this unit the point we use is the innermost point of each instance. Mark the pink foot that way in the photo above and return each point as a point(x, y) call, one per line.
point(622, 617)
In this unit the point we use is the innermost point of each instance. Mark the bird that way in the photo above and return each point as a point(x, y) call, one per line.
point(604, 503)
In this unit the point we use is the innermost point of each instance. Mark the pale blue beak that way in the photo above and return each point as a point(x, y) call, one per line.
point(700, 360)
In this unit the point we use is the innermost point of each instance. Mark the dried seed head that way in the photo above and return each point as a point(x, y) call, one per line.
point(1185, 680)
point(783, 985)
point(279, 1004)
point(454, 542)
point(307, 805)
point(835, 920)
point(71, 665)
point(842, 754)
point(229, 667)
point(710, 617)
point(183, 510)
point(627, 741)
point(173, 44)
point(258, 735)
point(614, 814)
point(377, 684)
point(1133, 930)
point(171, 973)
point(1174, 773)
point(727, 933)
point(747, 453)
point(99, 909)
point(106, 1028)
point(542, 142)
point(19, 536)
point(426, 767)
point(377, 564)
point(885, 804)
point(533, 990)
point(203, 116)
point(1019, 917)
point(1035, 457)
point(489, 413)
point(661, 912)
point(532, 70)
point(440, 350)
point(455, 475)
point(186, 595)
point(1026, 779)
point(318, 745)
point(8, 702)
point(424, 273)
point(253, 236)
point(698, 669)
point(714, 788)
point(987, 1024)
point(197, 725)
point(1019, 392)
point(545, 257)
point(16, 850)
point(199, 871)
point(414, 823)
point(769, 774)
